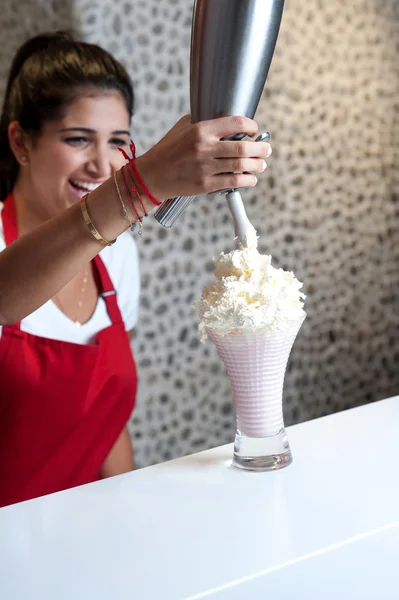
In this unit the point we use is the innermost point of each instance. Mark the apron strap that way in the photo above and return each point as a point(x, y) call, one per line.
point(9, 218)
point(10, 228)
point(106, 290)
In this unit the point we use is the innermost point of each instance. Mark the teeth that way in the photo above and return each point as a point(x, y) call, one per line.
point(85, 185)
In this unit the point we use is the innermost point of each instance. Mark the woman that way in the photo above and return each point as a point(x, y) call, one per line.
point(67, 375)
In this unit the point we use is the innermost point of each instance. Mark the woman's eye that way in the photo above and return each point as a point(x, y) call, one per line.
point(118, 142)
point(76, 141)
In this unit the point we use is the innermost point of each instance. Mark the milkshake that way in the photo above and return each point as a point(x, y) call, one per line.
point(252, 313)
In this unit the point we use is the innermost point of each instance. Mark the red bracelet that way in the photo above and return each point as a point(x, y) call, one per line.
point(135, 190)
point(128, 194)
point(132, 164)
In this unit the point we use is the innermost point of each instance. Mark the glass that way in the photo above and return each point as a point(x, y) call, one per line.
point(256, 363)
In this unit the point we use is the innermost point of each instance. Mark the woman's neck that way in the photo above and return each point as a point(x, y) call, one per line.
point(29, 209)
point(31, 213)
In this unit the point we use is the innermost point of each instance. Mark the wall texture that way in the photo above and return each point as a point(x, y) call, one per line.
point(326, 208)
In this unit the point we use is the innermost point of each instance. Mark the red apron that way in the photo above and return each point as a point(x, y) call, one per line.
point(62, 405)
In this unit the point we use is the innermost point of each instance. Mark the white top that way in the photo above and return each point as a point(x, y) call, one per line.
point(122, 263)
point(324, 528)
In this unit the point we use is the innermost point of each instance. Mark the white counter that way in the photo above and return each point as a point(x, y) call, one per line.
point(325, 528)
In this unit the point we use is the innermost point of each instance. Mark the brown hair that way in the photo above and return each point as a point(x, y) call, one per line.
point(48, 72)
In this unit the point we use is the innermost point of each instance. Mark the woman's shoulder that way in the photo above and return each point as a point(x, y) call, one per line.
point(124, 251)
point(122, 262)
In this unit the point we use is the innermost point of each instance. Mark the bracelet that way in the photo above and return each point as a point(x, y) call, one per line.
point(135, 190)
point(128, 194)
point(134, 209)
point(131, 161)
point(124, 210)
point(90, 226)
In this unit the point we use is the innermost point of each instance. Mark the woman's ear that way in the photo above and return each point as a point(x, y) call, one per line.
point(19, 143)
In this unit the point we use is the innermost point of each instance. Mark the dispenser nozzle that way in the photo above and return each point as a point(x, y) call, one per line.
point(245, 232)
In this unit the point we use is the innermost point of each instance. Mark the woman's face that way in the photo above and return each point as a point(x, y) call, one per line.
point(76, 154)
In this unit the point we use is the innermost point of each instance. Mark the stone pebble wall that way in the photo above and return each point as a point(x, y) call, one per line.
point(327, 207)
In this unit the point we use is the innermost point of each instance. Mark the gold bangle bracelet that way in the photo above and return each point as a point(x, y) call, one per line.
point(90, 226)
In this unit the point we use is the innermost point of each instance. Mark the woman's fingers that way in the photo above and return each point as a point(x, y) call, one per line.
point(243, 149)
point(228, 126)
point(240, 165)
point(232, 181)
point(191, 159)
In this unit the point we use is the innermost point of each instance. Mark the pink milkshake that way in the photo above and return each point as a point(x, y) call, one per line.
point(253, 313)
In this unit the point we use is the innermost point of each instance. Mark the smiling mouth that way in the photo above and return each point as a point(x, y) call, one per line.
point(84, 186)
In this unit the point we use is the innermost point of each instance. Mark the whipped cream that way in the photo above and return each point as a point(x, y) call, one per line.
point(249, 294)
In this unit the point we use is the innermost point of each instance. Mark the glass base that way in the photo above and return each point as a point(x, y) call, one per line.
point(262, 454)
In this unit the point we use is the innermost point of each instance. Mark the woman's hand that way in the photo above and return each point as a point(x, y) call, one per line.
point(191, 159)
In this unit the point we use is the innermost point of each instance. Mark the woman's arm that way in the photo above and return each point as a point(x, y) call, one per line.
point(120, 459)
point(36, 266)
point(189, 160)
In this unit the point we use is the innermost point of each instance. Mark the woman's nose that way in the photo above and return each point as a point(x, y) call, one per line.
point(100, 165)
